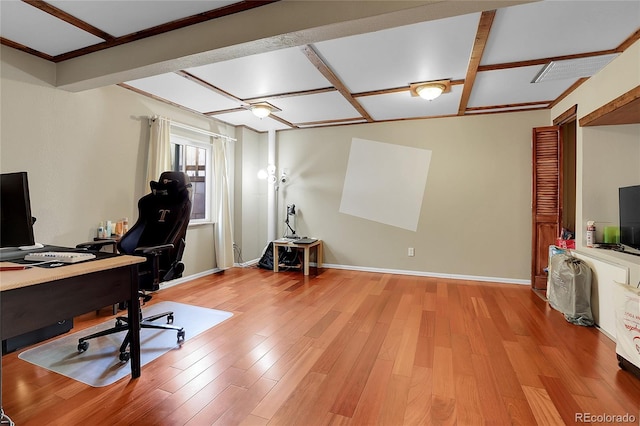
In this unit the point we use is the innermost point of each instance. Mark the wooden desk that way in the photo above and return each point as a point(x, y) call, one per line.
point(37, 297)
point(305, 247)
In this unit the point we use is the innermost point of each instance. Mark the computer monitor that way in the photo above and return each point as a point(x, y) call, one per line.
point(629, 198)
point(16, 222)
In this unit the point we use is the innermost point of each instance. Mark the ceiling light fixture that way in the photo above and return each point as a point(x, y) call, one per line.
point(430, 90)
point(261, 110)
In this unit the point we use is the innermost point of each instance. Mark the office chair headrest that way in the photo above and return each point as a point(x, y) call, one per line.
point(171, 183)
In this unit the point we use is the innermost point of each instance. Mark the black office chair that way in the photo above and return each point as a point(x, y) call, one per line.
point(159, 235)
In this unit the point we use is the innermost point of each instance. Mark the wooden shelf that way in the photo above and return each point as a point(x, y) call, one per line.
point(624, 109)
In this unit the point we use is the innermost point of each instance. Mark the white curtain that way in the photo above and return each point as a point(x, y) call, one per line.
point(159, 159)
point(222, 230)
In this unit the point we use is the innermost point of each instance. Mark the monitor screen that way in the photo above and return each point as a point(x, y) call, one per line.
point(630, 216)
point(16, 226)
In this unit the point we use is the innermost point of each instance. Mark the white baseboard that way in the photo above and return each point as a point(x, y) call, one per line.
point(412, 273)
point(169, 284)
point(246, 264)
point(429, 274)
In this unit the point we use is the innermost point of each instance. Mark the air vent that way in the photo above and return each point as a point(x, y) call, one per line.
point(573, 68)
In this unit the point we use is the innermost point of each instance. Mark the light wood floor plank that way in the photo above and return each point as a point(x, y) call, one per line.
point(287, 384)
point(373, 394)
point(562, 399)
point(349, 393)
point(520, 412)
point(492, 403)
point(503, 371)
point(545, 412)
point(395, 403)
point(301, 401)
point(467, 401)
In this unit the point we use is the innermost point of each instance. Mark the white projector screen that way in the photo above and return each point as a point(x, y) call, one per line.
point(385, 183)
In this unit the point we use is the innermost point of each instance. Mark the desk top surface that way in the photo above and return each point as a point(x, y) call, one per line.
point(10, 280)
point(293, 243)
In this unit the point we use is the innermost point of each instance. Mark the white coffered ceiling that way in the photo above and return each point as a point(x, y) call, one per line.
point(358, 78)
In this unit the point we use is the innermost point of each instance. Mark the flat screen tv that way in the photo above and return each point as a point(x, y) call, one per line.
point(16, 222)
point(629, 197)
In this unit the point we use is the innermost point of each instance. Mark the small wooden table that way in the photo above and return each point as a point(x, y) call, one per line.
point(305, 247)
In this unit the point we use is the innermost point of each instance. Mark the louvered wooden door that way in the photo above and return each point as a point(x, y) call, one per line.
point(546, 199)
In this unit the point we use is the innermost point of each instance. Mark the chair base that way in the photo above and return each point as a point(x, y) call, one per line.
point(122, 324)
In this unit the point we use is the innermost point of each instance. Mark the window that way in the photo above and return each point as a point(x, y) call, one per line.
point(194, 158)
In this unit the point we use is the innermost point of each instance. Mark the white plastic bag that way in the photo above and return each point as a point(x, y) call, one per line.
point(570, 289)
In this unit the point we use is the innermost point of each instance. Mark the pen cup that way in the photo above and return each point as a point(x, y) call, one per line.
point(118, 228)
point(611, 234)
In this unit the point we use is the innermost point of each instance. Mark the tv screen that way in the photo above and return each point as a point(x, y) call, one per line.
point(16, 223)
point(630, 216)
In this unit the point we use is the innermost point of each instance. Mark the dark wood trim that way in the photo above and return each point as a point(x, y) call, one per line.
point(328, 73)
point(479, 112)
point(382, 92)
point(283, 121)
point(25, 49)
point(629, 41)
point(424, 117)
point(196, 19)
point(340, 121)
point(169, 26)
point(208, 86)
point(225, 111)
point(523, 104)
point(157, 98)
point(482, 35)
point(290, 94)
point(624, 109)
point(567, 116)
point(70, 19)
point(544, 61)
point(569, 90)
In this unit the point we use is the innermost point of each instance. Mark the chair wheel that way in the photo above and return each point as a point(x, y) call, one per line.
point(180, 336)
point(118, 323)
point(170, 319)
point(83, 346)
point(125, 356)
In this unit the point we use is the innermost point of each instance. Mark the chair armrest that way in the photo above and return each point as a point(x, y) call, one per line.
point(97, 245)
point(153, 249)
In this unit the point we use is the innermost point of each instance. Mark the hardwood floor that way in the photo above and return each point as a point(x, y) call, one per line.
point(349, 348)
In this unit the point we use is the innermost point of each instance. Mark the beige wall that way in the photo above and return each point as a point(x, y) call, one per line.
point(84, 152)
point(475, 219)
point(610, 160)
